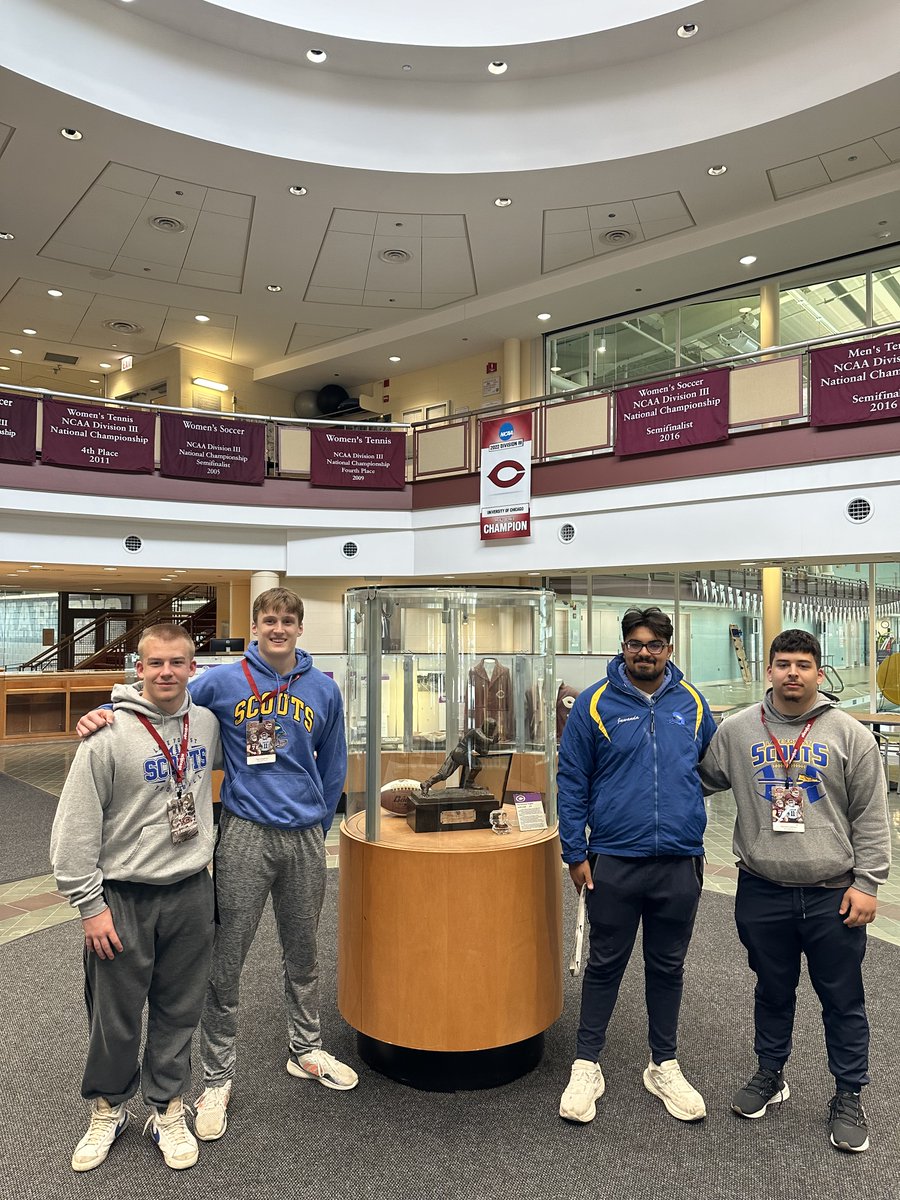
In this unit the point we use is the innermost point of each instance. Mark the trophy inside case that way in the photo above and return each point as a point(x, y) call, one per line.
point(459, 731)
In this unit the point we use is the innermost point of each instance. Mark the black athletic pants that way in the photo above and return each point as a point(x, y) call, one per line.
point(661, 893)
point(779, 924)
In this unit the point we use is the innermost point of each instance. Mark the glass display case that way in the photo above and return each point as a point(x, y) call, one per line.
point(464, 710)
point(450, 839)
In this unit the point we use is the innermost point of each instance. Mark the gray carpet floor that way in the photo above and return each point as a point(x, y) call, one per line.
point(26, 817)
point(383, 1140)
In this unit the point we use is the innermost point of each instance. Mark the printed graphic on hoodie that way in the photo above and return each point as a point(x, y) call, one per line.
point(281, 704)
point(807, 771)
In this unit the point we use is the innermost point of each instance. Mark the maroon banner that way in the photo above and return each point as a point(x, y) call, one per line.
point(859, 381)
point(193, 447)
point(18, 426)
point(94, 436)
point(357, 459)
point(690, 411)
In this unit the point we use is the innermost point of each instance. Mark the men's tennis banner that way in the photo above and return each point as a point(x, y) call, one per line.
point(506, 476)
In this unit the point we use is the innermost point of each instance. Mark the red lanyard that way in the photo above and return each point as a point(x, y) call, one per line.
point(179, 768)
point(283, 688)
point(787, 763)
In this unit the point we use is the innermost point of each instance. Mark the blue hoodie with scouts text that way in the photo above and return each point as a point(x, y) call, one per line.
point(303, 786)
point(628, 769)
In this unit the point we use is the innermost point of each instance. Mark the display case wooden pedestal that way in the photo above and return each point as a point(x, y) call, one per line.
point(449, 950)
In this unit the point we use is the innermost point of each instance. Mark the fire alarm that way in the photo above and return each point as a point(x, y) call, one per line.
point(490, 368)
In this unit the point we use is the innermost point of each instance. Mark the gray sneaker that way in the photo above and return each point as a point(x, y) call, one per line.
point(211, 1120)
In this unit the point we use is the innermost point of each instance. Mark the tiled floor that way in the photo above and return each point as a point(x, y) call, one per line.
point(32, 904)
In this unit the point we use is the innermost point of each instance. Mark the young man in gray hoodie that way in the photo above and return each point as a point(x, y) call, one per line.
point(812, 840)
point(131, 842)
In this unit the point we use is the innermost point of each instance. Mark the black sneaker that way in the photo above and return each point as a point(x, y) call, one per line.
point(847, 1122)
point(765, 1088)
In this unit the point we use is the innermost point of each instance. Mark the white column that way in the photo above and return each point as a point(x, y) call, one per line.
point(261, 581)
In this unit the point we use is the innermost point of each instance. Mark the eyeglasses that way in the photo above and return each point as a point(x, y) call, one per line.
point(636, 647)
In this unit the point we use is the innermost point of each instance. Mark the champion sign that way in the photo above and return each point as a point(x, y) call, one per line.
point(506, 477)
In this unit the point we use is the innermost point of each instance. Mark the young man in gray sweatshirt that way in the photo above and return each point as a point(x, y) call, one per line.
point(812, 840)
point(131, 842)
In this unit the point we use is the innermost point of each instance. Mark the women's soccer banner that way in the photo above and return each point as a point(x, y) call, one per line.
point(98, 437)
point(218, 451)
point(859, 381)
point(18, 426)
point(506, 477)
point(689, 411)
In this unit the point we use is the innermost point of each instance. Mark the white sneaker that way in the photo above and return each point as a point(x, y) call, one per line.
point(107, 1122)
point(210, 1121)
point(586, 1086)
point(324, 1068)
point(667, 1082)
point(170, 1132)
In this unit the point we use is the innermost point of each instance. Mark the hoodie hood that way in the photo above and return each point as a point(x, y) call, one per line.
point(822, 704)
point(130, 697)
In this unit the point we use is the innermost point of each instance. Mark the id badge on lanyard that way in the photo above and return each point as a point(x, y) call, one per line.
point(787, 798)
point(261, 734)
point(181, 811)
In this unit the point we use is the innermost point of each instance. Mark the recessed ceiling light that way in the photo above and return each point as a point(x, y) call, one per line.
point(745, 310)
point(110, 568)
point(16, 351)
point(4, 368)
point(498, 67)
point(72, 135)
point(273, 287)
point(296, 190)
point(718, 169)
point(748, 260)
point(93, 381)
point(96, 589)
point(544, 316)
point(393, 358)
point(503, 202)
point(687, 30)
point(202, 318)
point(406, 67)
point(30, 332)
point(316, 56)
point(6, 236)
point(105, 366)
point(54, 292)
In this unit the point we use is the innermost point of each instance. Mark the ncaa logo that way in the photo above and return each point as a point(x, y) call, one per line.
point(506, 431)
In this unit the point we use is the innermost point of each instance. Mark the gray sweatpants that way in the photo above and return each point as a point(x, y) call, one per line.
point(251, 862)
point(167, 936)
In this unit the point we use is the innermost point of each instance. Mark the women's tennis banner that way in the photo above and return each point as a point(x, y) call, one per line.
point(357, 458)
point(18, 426)
point(98, 437)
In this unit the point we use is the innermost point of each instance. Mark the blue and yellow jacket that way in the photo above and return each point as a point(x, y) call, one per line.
point(627, 773)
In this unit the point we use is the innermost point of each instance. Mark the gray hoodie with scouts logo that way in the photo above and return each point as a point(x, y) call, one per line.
point(847, 833)
point(111, 822)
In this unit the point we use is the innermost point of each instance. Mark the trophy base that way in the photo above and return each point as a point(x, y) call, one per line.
point(451, 1071)
point(453, 808)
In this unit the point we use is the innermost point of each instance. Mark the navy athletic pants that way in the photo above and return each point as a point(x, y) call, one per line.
point(662, 893)
point(779, 924)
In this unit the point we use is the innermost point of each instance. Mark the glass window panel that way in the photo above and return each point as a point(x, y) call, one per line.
point(818, 310)
point(719, 329)
point(886, 296)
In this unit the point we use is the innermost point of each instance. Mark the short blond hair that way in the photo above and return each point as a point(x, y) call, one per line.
point(166, 631)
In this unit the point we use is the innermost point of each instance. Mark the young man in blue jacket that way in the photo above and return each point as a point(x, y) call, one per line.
point(631, 822)
point(277, 808)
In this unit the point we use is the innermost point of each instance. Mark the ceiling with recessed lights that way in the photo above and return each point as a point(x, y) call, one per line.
point(375, 186)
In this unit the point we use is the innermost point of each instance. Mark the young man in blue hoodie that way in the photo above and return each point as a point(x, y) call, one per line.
point(628, 775)
point(276, 810)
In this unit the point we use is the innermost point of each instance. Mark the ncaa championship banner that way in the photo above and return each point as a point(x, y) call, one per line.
point(506, 477)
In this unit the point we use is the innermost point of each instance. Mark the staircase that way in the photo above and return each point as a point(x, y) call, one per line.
point(194, 607)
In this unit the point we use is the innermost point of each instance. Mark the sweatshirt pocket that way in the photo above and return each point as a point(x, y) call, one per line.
point(800, 858)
